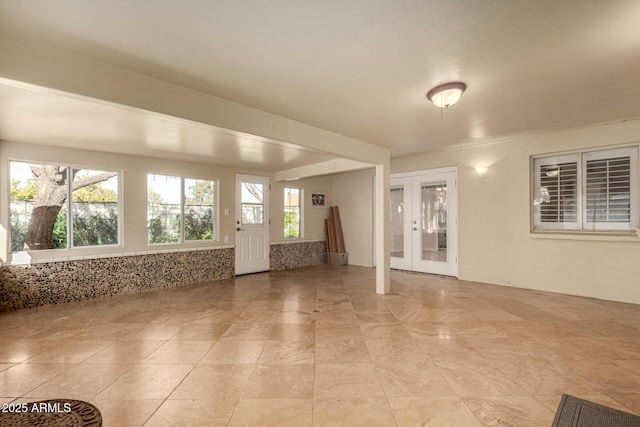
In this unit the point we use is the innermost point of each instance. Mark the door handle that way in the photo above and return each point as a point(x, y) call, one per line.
point(415, 229)
point(238, 229)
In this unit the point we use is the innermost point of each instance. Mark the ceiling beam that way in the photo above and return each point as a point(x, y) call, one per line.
point(73, 74)
point(323, 168)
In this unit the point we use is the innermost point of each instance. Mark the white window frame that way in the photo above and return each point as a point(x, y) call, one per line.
point(68, 205)
point(581, 224)
point(182, 240)
point(300, 211)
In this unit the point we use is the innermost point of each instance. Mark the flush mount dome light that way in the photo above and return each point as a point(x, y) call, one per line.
point(446, 95)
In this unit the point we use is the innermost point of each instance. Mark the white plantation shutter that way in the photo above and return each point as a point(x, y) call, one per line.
point(609, 189)
point(561, 191)
point(590, 191)
point(556, 200)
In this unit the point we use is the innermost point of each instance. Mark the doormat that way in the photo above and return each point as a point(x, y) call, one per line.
point(574, 412)
point(50, 413)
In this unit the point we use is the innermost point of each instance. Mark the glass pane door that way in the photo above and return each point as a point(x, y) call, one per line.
point(433, 228)
point(433, 221)
point(400, 206)
point(423, 213)
point(397, 222)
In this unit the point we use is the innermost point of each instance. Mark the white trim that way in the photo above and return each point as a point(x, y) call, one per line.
point(599, 236)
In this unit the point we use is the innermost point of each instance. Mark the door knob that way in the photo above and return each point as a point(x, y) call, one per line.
point(415, 229)
point(238, 229)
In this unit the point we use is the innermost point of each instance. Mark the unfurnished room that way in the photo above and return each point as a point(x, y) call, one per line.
point(297, 213)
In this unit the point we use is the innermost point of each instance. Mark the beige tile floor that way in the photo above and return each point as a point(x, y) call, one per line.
point(317, 346)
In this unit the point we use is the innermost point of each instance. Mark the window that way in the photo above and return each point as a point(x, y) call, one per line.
point(198, 209)
point(180, 209)
point(40, 206)
point(292, 212)
point(252, 203)
point(587, 191)
point(164, 219)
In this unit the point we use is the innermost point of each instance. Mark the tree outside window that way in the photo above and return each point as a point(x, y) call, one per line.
point(198, 210)
point(163, 209)
point(292, 197)
point(95, 209)
point(40, 202)
point(179, 209)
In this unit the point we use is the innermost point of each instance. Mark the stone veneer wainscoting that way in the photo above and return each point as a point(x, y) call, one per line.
point(32, 285)
point(297, 253)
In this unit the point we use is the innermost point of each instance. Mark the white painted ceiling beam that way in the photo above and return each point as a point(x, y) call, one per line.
point(323, 168)
point(74, 74)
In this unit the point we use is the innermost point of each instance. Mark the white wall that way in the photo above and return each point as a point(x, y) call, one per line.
point(495, 242)
point(313, 217)
point(353, 193)
point(134, 199)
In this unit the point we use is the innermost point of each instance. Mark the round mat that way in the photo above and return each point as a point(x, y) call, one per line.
point(51, 413)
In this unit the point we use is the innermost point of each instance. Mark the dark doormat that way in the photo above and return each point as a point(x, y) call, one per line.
point(50, 413)
point(574, 412)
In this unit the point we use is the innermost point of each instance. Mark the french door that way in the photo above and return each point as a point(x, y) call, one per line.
point(424, 221)
point(252, 224)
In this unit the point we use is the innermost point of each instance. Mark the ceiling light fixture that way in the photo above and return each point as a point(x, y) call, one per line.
point(446, 95)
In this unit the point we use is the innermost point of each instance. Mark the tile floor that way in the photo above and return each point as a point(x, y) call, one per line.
point(317, 346)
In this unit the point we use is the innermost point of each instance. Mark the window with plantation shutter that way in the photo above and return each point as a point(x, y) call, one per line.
point(589, 191)
point(556, 203)
point(607, 190)
point(560, 184)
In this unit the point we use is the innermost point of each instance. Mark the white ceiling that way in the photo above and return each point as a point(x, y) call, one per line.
point(358, 68)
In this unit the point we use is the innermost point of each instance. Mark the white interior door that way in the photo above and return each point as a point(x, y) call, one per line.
point(252, 224)
point(424, 221)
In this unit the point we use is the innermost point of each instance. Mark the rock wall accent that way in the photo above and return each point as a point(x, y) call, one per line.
point(25, 286)
point(296, 254)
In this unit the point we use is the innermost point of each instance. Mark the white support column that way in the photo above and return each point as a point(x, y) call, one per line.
point(383, 280)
